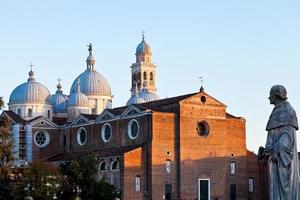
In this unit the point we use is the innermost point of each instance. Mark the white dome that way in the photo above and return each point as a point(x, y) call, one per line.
point(148, 96)
point(77, 98)
point(134, 99)
point(59, 101)
point(92, 83)
point(30, 92)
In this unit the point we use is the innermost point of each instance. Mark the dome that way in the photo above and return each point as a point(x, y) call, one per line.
point(148, 96)
point(77, 98)
point(143, 47)
point(59, 101)
point(135, 98)
point(30, 92)
point(92, 83)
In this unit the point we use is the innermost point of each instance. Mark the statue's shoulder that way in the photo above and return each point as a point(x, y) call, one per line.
point(283, 115)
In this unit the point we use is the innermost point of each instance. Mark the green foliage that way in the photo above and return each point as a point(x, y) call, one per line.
point(40, 181)
point(6, 159)
point(80, 174)
point(1, 103)
point(105, 191)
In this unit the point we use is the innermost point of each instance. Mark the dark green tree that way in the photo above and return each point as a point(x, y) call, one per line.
point(81, 179)
point(6, 159)
point(41, 181)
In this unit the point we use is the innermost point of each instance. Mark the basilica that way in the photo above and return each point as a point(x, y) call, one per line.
point(184, 147)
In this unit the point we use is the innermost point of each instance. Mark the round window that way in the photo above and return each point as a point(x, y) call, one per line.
point(106, 132)
point(133, 129)
point(203, 128)
point(81, 136)
point(41, 139)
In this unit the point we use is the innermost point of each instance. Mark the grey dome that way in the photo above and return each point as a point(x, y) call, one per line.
point(59, 101)
point(148, 96)
point(77, 98)
point(143, 48)
point(30, 92)
point(134, 99)
point(92, 83)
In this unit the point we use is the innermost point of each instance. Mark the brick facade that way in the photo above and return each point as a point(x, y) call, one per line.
point(169, 134)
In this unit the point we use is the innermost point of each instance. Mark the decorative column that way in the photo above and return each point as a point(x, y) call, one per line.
point(28, 135)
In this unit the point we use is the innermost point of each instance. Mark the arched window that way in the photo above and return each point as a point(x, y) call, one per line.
point(151, 76)
point(115, 165)
point(103, 166)
point(145, 76)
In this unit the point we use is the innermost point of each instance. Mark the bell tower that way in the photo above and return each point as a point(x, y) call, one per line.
point(143, 71)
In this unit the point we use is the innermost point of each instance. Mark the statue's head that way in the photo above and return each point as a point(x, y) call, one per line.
point(278, 94)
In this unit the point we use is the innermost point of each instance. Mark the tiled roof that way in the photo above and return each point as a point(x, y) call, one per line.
point(90, 116)
point(15, 117)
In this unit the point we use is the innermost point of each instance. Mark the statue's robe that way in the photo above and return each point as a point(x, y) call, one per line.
point(283, 164)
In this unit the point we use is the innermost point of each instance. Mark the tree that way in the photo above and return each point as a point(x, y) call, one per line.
point(40, 180)
point(6, 159)
point(1, 103)
point(81, 179)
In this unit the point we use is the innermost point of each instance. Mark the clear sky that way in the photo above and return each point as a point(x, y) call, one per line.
point(241, 48)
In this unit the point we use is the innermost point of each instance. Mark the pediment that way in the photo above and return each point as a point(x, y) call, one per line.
point(130, 110)
point(80, 120)
point(203, 99)
point(42, 122)
point(105, 115)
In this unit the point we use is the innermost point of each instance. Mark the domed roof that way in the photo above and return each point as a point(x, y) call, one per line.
point(143, 47)
point(92, 82)
point(135, 98)
point(30, 92)
point(77, 98)
point(146, 94)
point(59, 101)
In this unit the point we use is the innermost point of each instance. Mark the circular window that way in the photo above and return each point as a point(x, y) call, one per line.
point(133, 129)
point(41, 139)
point(203, 128)
point(81, 136)
point(106, 132)
point(203, 99)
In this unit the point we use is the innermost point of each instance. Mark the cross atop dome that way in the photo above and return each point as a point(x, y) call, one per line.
point(31, 73)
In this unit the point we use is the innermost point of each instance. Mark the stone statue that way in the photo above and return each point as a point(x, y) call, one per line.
point(281, 148)
point(90, 48)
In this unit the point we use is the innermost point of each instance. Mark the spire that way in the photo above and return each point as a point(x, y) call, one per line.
point(59, 87)
point(143, 36)
point(201, 80)
point(31, 73)
point(90, 61)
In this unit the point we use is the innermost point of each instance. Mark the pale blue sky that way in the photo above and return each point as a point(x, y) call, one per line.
point(241, 48)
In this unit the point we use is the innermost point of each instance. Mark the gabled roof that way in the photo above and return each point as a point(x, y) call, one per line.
point(13, 116)
point(90, 116)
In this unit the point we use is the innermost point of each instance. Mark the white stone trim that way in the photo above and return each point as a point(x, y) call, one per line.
point(129, 129)
point(204, 179)
point(78, 136)
point(103, 132)
point(47, 139)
